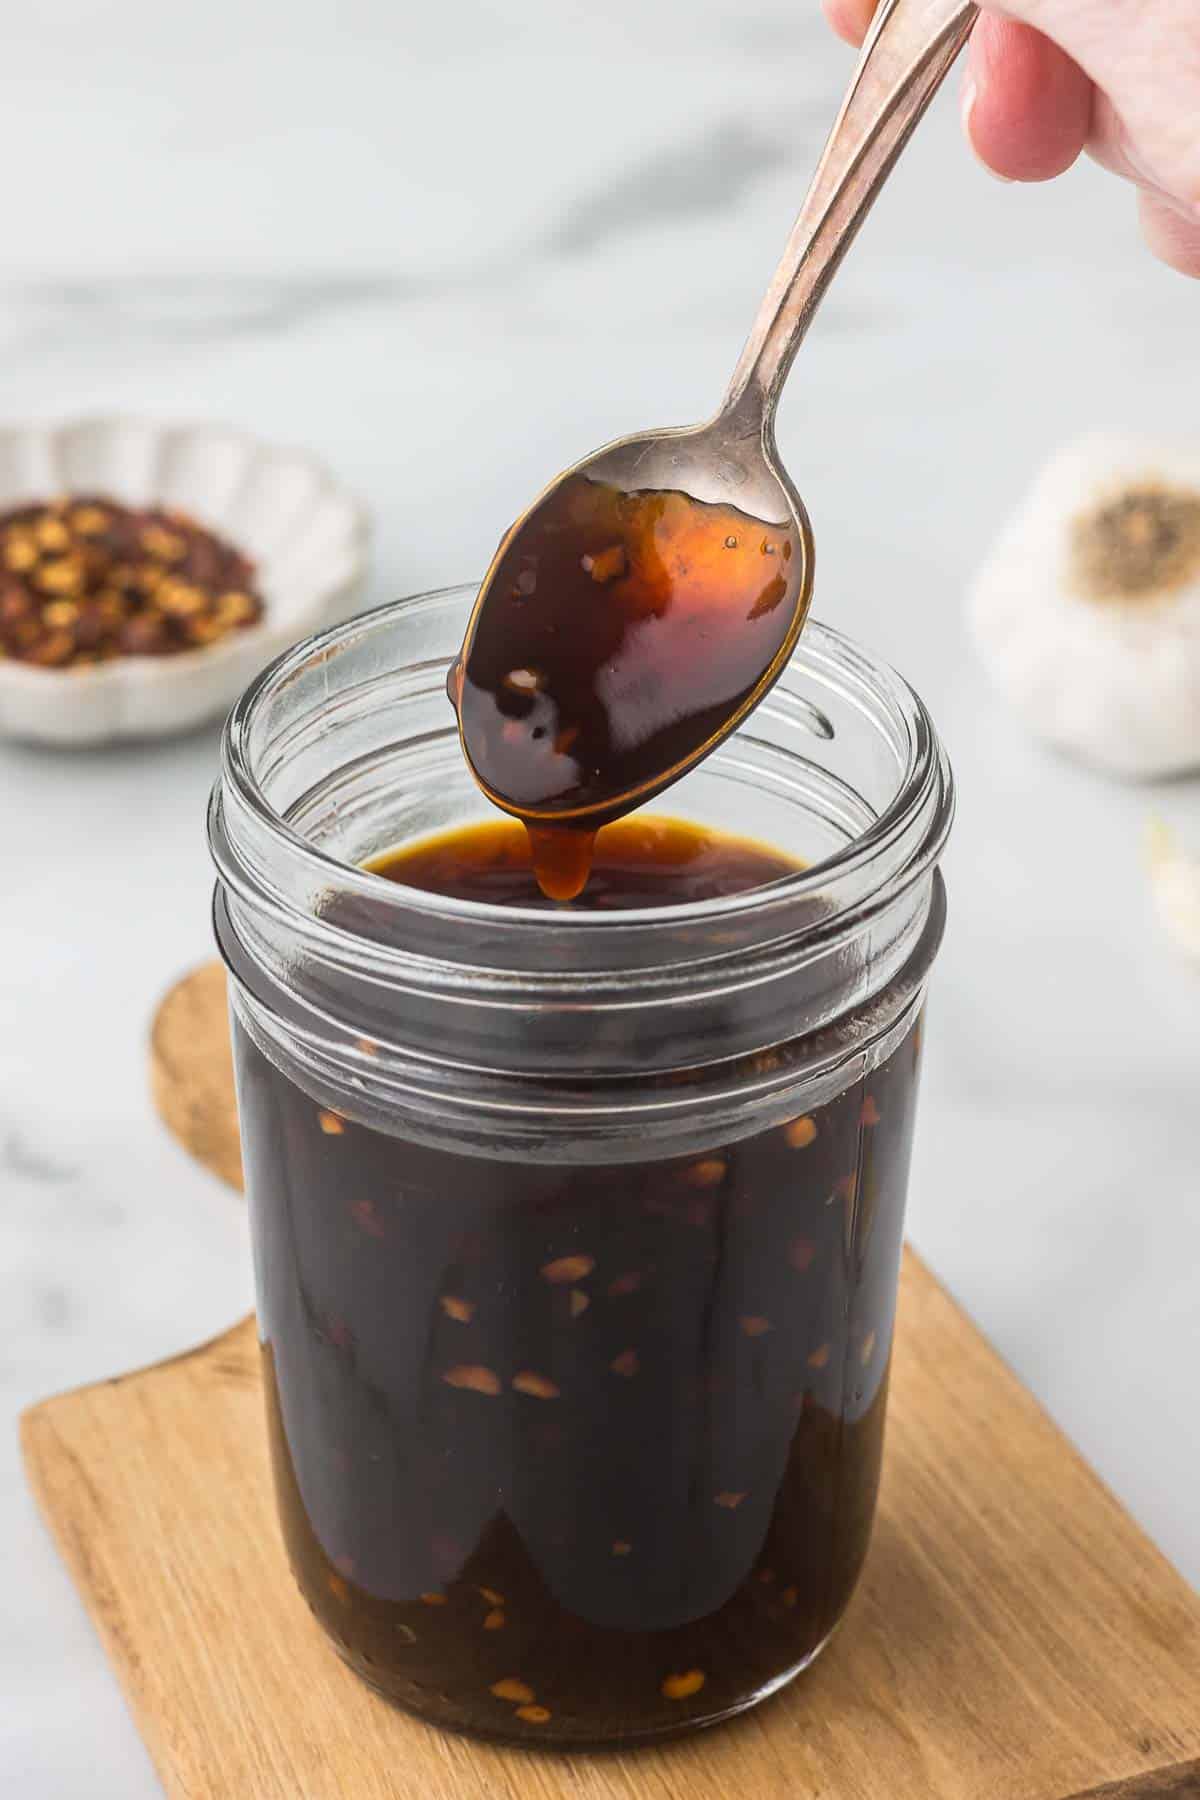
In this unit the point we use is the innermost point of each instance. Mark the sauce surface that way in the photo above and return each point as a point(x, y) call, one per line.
point(616, 635)
point(644, 861)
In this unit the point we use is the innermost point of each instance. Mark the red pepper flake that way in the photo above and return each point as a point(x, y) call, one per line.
point(533, 1715)
point(802, 1254)
point(433, 1599)
point(52, 534)
point(20, 551)
point(473, 1377)
point(338, 1589)
point(766, 1576)
point(495, 1620)
point(331, 1124)
point(536, 1386)
point(568, 1268)
point(820, 1358)
point(491, 1596)
point(728, 1500)
point(512, 1689)
point(168, 545)
point(800, 1133)
point(621, 1547)
point(454, 1308)
point(626, 1364)
point(92, 580)
point(754, 1325)
point(707, 1173)
point(625, 1284)
point(870, 1112)
point(607, 565)
point(790, 1596)
point(682, 1687)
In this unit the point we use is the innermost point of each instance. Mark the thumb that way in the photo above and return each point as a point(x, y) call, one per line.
point(850, 18)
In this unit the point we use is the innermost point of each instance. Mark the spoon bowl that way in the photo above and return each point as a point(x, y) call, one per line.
point(630, 618)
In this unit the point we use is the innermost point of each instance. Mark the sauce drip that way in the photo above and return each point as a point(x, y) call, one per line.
point(562, 858)
point(616, 635)
point(645, 861)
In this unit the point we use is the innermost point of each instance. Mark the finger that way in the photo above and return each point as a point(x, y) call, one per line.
point(1109, 145)
point(1170, 226)
point(850, 18)
point(1171, 234)
point(1027, 107)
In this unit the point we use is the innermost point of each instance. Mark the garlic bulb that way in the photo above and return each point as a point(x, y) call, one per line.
point(1087, 611)
point(1175, 881)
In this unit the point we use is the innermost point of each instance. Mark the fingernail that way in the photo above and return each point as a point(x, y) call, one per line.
point(970, 95)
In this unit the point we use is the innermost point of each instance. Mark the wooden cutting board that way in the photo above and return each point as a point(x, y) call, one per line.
point(1015, 1637)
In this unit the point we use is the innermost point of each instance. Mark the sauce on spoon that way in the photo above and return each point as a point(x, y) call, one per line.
point(616, 635)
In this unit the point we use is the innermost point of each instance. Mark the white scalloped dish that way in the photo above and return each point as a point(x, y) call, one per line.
point(307, 535)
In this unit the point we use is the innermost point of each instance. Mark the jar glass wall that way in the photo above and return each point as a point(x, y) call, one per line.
point(577, 1235)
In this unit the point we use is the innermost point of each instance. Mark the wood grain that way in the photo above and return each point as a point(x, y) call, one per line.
point(191, 1071)
point(1014, 1638)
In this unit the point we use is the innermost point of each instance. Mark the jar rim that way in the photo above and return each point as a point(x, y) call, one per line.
point(822, 647)
point(391, 1003)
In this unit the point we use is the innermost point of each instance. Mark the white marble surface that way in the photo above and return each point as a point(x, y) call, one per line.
point(448, 248)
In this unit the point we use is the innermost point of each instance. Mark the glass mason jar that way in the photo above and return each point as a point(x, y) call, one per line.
point(576, 1233)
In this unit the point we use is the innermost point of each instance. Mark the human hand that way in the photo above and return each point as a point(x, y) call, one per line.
point(1121, 78)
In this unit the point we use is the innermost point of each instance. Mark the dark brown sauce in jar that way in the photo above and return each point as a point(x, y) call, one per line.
point(646, 861)
point(616, 635)
point(578, 1453)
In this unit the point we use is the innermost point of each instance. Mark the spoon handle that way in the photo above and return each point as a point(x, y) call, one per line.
point(908, 53)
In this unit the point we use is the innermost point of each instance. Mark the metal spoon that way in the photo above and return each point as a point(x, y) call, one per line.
point(675, 688)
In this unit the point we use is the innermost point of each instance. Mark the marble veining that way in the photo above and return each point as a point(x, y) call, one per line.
point(25, 1161)
point(710, 175)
